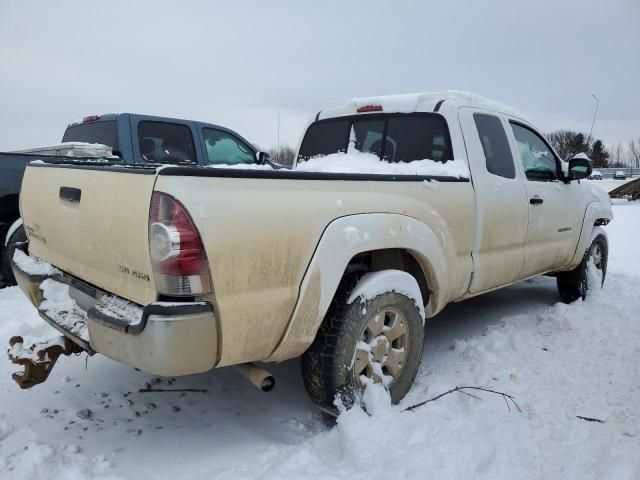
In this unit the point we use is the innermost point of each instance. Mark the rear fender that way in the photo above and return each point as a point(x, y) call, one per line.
point(343, 239)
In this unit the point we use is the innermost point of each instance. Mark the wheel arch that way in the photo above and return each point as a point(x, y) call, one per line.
point(596, 215)
point(377, 241)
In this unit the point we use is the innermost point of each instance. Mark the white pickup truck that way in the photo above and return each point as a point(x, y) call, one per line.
point(397, 206)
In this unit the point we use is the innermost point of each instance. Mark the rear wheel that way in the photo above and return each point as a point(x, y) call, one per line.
point(17, 236)
point(377, 340)
point(589, 274)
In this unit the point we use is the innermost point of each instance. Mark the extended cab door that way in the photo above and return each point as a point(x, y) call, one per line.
point(501, 200)
point(556, 209)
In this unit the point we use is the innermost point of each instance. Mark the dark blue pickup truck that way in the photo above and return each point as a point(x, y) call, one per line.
point(120, 139)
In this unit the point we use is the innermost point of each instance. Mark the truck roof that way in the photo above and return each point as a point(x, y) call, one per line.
point(418, 102)
point(113, 116)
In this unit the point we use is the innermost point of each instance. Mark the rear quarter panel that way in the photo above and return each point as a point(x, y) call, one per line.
point(260, 235)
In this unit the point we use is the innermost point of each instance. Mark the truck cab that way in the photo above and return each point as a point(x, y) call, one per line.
point(143, 139)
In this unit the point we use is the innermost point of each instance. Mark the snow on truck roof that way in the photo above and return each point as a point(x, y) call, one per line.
point(414, 102)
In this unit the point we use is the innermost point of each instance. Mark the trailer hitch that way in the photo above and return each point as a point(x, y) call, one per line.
point(39, 359)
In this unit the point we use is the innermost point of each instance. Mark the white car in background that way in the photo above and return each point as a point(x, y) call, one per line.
point(596, 175)
point(620, 175)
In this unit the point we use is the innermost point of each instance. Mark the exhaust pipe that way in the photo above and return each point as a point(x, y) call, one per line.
point(257, 376)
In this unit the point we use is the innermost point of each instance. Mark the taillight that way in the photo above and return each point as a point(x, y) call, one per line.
point(90, 118)
point(370, 108)
point(179, 262)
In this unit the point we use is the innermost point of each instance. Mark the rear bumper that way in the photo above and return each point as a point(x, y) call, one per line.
point(160, 338)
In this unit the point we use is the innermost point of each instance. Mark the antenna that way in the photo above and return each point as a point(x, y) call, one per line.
point(594, 118)
point(278, 150)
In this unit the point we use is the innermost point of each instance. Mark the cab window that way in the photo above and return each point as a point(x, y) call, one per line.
point(538, 160)
point(163, 142)
point(225, 149)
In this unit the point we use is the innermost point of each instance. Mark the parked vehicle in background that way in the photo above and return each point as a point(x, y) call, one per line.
point(620, 175)
point(118, 139)
point(595, 175)
point(397, 206)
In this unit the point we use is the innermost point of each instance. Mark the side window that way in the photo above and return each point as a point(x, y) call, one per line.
point(162, 142)
point(495, 145)
point(538, 160)
point(226, 149)
point(416, 137)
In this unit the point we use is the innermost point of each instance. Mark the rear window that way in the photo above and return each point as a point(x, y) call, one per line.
point(163, 142)
point(391, 137)
point(104, 133)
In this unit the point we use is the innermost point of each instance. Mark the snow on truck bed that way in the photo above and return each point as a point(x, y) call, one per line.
point(560, 362)
point(358, 162)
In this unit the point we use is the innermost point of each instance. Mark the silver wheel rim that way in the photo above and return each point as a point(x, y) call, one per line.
point(381, 350)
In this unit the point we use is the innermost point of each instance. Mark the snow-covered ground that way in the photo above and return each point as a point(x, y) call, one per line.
point(558, 361)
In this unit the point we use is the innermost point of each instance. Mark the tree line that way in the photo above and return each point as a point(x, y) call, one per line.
point(567, 143)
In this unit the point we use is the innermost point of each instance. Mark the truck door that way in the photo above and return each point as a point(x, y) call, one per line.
point(556, 209)
point(501, 200)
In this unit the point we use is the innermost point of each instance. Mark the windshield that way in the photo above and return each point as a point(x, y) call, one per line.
point(393, 138)
point(104, 133)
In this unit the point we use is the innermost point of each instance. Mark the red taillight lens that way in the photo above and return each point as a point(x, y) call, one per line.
point(370, 108)
point(180, 265)
point(91, 118)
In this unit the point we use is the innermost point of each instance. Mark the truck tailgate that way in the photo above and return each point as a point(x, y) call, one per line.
point(92, 222)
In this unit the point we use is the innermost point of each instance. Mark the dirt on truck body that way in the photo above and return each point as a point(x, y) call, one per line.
point(396, 207)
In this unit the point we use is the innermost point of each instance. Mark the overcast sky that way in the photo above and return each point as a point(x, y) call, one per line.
point(238, 63)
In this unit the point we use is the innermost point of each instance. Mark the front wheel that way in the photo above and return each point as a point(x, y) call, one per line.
point(589, 274)
point(377, 340)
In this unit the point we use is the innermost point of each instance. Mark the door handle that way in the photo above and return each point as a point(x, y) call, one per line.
point(70, 194)
point(535, 201)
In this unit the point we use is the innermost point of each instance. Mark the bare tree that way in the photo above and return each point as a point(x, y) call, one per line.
point(634, 151)
point(282, 156)
point(618, 156)
point(568, 143)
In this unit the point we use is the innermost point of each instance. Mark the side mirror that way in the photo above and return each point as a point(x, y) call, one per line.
point(262, 158)
point(579, 167)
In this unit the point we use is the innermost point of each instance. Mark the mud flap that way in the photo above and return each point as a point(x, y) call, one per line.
point(39, 359)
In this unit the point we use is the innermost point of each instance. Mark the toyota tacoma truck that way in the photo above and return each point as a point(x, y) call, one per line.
point(116, 139)
point(397, 206)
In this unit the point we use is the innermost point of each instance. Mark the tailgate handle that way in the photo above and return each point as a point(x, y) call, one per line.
point(70, 194)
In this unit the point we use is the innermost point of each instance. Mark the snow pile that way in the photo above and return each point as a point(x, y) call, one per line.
point(376, 283)
point(62, 309)
point(71, 149)
point(118, 307)
point(358, 162)
point(33, 265)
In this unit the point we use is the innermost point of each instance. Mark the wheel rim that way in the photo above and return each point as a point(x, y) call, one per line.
point(382, 348)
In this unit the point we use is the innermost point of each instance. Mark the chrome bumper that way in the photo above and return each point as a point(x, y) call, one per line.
point(164, 339)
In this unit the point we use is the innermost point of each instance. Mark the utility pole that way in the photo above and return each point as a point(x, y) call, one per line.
point(278, 150)
point(594, 118)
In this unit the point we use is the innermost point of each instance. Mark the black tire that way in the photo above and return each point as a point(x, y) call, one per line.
point(18, 236)
point(328, 365)
point(574, 284)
